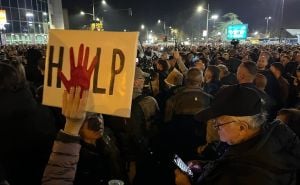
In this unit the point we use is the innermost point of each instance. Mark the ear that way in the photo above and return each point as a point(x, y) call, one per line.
point(244, 126)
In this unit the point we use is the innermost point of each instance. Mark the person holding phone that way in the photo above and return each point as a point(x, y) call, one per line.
point(259, 153)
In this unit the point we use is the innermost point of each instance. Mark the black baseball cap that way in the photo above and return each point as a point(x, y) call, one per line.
point(235, 100)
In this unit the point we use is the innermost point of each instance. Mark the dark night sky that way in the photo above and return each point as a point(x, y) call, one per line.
point(182, 14)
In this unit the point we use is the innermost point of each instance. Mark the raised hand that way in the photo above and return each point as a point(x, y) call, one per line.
point(81, 74)
point(74, 109)
point(176, 55)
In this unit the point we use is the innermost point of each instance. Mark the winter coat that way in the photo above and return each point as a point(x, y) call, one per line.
point(63, 160)
point(26, 135)
point(270, 158)
point(187, 101)
point(99, 163)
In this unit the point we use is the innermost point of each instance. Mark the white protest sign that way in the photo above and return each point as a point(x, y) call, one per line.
point(72, 53)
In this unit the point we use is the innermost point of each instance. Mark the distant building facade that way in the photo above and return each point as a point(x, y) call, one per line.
point(29, 21)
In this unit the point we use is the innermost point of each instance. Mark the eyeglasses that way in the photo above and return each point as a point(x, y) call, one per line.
point(217, 126)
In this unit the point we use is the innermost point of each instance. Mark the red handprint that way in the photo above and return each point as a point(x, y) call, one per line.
point(80, 75)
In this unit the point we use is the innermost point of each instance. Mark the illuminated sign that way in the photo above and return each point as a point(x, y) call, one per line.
point(238, 31)
point(3, 17)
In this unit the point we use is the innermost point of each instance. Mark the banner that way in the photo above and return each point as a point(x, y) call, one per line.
point(71, 58)
point(237, 31)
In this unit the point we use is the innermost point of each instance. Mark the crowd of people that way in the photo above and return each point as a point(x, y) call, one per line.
point(232, 114)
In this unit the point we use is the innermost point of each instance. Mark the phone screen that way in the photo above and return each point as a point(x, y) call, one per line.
point(182, 166)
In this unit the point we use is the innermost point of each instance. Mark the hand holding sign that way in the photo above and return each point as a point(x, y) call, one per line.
point(74, 109)
point(81, 74)
point(102, 63)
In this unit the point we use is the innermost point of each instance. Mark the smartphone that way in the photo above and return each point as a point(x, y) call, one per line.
point(182, 166)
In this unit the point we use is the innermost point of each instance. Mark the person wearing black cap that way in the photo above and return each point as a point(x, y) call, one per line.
point(258, 153)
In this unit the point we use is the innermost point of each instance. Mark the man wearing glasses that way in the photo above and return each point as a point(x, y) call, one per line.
point(258, 153)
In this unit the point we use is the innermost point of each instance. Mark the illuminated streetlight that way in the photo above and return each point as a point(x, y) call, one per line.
point(28, 14)
point(268, 19)
point(159, 21)
point(103, 2)
point(125, 30)
point(142, 27)
point(45, 13)
point(256, 33)
point(82, 13)
point(199, 9)
point(215, 17)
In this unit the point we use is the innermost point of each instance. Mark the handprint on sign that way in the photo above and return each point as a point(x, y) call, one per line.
point(81, 74)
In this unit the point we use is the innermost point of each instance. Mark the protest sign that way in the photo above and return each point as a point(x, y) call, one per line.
point(103, 62)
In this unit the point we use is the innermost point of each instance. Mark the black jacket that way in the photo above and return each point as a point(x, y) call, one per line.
point(26, 136)
point(229, 79)
point(99, 164)
point(270, 158)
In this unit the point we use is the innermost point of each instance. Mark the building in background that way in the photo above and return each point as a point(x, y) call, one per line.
point(56, 14)
point(28, 21)
point(66, 19)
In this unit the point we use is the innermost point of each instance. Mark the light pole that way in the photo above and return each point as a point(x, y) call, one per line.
point(200, 9)
point(281, 21)
point(93, 14)
point(267, 19)
point(164, 24)
point(93, 10)
point(143, 27)
point(214, 18)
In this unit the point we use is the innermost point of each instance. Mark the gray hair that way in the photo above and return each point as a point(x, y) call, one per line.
point(257, 120)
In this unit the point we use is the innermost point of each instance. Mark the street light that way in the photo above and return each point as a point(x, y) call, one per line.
point(200, 9)
point(215, 17)
point(93, 13)
point(28, 14)
point(281, 21)
point(164, 25)
point(85, 13)
point(143, 27)
point(267, 19)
